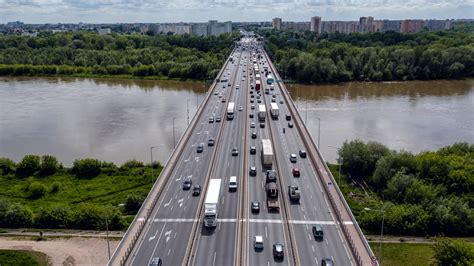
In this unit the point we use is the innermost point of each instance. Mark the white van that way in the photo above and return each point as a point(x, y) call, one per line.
point(233, 183)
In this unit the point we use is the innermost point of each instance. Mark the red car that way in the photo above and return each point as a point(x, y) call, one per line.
point(296, 172)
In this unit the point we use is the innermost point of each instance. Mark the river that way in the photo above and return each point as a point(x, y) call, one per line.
point(118, 120)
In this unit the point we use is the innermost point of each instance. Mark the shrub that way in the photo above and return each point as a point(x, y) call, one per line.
point(133, 203)
point(49, 165)
point(55, 187)
point(86, 167)
point(7, 166)
point(28, 165)
point(15, 215)
point(93, 218)
point(57, 217)
point(37, 190)
point(132, 164)
point(453, 252)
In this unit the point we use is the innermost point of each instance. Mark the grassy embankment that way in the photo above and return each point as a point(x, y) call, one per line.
point(23, 257)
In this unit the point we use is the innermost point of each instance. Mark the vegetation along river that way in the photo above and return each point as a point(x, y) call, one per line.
point(117, 120)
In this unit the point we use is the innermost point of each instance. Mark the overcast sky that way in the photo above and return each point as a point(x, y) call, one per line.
point(111, 11)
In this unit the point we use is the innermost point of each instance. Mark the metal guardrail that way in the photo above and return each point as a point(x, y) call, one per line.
point(311, 145)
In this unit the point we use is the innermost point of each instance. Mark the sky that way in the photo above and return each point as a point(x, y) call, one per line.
point(123, 11)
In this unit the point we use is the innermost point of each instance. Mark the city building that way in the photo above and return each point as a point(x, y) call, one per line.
point(104, 31)
point(290, 25)
point(276, 23)
point(316, 24)
point(411, 26)
point(391, 25)
point(199, 29)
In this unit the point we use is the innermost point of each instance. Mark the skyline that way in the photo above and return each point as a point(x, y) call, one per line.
point(147, 11)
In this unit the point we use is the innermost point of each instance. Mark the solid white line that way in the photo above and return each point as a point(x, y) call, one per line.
point(175, 220)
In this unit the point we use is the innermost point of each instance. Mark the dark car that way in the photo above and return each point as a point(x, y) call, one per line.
point(278, 251)
point(271, 176)
point(210, 142)
point(318, 231)
point(288, 117)
point(290, 125)
point(327, 262)
point(253, 150)
point(200, 148)
point(187, 184)
point(156, 261)
point(302, 153)
point(262, 125)
point(255, 206)
point(218, 118)
point(296, 172)
point(196, 190)
point(253, 171)
point(251, 115)
point(254, 135)
point(235, 152)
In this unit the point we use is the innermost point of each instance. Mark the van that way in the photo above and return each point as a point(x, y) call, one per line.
point(233, 183)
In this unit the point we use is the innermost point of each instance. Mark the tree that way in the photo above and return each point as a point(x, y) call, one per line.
point(49, 165)
point(28, 165)
point(86, 167)
point(7, 166)
point(36, 190)
point(453, 252)
point(133, 203)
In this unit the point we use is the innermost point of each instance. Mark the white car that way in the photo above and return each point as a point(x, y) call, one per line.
point(258, 242)
point(241, 108)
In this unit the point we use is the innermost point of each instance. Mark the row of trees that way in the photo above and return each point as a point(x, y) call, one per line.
point(429, 193)
point(87, 53)
point(310, 58)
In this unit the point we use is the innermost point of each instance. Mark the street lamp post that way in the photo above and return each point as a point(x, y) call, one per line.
point(174, 136)
point(381, 230)
point(107, 231)
point(187, 109)
point(319, 131)
point(339, 175)
point(151, 161)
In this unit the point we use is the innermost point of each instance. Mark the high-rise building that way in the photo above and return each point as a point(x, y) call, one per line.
point(276, 23)
point(411, 26)
point(366, 24)
point(391, 25)
point(316, 24)
point(200, 29)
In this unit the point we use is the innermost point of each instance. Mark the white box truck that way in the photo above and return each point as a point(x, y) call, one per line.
point(230, 111)
point(274, 110)
point(261, 112)
point(211, 203)
point(267, 153)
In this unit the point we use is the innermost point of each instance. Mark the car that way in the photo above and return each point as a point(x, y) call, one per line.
point(218, 118)
point(252, 107)
point(253, 150)
point(236, 87)
point(228, 84)
point(293, 158)
point(235, 151)
point(259, 101)
point(318, 231)
point(211, 142)
point(241, 108)
point(200, 148)
point(254, 135)
point(258, 242)
point(220, 95)
point(252, 96)
point(296, 172)
point(223, 100)
point(290, 125)
point(211, 119)
point(278, 251)
point(252, 101)
point(223, 85)
point(251, 115)
point(187, 184)
point(258, 96)
point(156, 261)
point(262, 125)
point(288, 117)
point(273, 100)
point(271, 176)
point(302, 153)
point(255, 206)
point(251, 92)
point(216, 93)
point(197, 190)
point(253, 171)
point(281, 101)
point(252, 125)
point(327, 262)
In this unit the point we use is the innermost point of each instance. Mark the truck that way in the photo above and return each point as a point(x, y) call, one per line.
point(261, 112)
point(230, 110)
point(272, 197)
point(294, 193)
point(257, 84)
point(211, 203)
point(267, 153)
point(274, 110)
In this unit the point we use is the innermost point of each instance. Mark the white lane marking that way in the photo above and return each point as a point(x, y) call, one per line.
point(180, 202)
point(312, 247)
point(175, 220)
point(169, 251)
point(167, 234)
point(187, 160)
point(168, 203)
point(153, 237)
point(196, 159)
point(179, 178)
point(227, 220)
point(266, 233)
point(316, 259)
point(156, 245)
point(269, 221)
point(214, 259)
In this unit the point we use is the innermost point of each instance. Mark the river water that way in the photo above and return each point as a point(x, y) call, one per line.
point(118, 120)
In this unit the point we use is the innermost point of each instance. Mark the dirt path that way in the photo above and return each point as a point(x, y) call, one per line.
point(65, 251)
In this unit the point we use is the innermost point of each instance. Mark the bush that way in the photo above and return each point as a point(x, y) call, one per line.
point(453, 252)
point(37, 190)
point(49, 165)
point(55, 187)
point(86, 167)
point(133, 204)
point(93, 218)
point(28, 165)
point(57, 217)
point(15, 215)
point(7, 166)
point(132, 164)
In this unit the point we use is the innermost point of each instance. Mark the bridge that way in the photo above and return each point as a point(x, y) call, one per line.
point(169, 224)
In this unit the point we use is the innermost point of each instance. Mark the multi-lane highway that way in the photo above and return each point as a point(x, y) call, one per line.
point(170, 226)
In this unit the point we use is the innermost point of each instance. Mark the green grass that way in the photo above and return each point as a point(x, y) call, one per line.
point(22, 257)
point(105, 189)
point(394, 254)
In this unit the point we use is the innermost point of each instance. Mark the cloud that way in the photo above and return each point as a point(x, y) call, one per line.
point(111, 11)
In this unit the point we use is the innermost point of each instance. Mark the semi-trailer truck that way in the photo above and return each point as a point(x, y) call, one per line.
point(267, 153)
point(274, 110)
point(262, 112)
point(211, 203)
point(272, 197)
point(230, 110)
